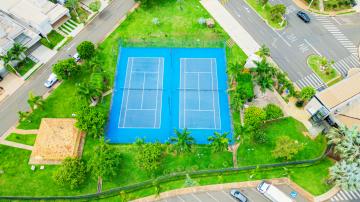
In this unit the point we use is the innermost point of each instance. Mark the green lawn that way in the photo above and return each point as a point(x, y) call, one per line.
point(314, 62)
point(53, 38)
point(250, 153)
point(264, 12)
point(24, 66)
point(28, 139)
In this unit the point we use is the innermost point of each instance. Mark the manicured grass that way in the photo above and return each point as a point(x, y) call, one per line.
point(24, 66)
point(336, 5)
point(52, 40)
point(264, 12)
point(334, 81)
point(28, 139)
point(250, 153)
point(314, 62)
point(62, 103)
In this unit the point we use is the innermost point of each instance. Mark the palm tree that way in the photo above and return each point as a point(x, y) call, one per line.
point(35, 101)
point(346, 175)
point(236, 99)
point(7, 58)
point(219, 141)
point(86, 91)
point(264, 51)
point(264, 75)
point(18, 51)
point(73, 5)
point(183, 141)
point(233, 70)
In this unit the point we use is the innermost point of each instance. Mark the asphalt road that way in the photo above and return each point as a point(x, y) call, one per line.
point(224, 196)
point(337, 38)
point(95, 32)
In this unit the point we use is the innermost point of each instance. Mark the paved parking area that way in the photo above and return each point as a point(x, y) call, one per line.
point(224, 196)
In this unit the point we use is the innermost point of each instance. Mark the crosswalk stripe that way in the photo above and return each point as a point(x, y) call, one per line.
point(357, 193)
point(336, 198)
point(350, 192)
point(348, 195)
point(340, 197)
point(343, 195)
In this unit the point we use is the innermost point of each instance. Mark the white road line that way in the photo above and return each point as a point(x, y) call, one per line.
point(192, 194)
point(352, 194)
point(228, 195)
point(336, 20)
point(340, 197)
point(211, 196)
point(357, 193)
point(180, 198)
point(348, 195)
point(312, 47)
point(282, 38)
point(343, 195)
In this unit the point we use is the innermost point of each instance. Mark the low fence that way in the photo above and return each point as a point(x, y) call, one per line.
point(173, 177)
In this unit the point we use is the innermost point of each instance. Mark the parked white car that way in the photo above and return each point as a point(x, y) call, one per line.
point(51, 80)
point(76, 56)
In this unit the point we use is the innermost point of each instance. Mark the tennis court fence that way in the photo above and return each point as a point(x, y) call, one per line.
point(172, 43)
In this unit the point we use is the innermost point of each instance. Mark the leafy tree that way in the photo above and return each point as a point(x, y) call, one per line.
point(277, 12)
point(71, 173)
point(254, 116)
point(95, 6)
point(91, 120)
point(346, 175)
point(182, 141)
point(307, 93)
point(264, 76)
point(273, 112)
point(286, 148)
point(149, 157)
point(86, 50)
point(264, 51)
point(104, 162)
point(66, 69)
point(35, 101)
point(219, 142)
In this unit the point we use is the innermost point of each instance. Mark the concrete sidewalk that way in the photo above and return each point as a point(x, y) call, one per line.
point(241, 37)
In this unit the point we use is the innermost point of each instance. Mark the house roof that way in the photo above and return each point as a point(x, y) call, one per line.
point(350, 115)
point(340, 92)
point(56, 140)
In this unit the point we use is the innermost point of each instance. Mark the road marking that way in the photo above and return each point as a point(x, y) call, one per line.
point(180, 198)
point(287, 43)
point(70, 47)
point(336, 20)
point(228, 195)
point(211, 196)
point(192, 194)
point(312, 47)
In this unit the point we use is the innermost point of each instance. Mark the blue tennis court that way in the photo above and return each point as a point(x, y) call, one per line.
point(158, 90)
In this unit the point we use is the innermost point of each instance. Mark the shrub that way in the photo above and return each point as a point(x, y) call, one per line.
point(273, 112)
point(254, 116)
point(71, 173)
point(286, 148)
point(299, 103)
point(259, 137)
point(307, 93)
point(149, 157)
point(95, 6)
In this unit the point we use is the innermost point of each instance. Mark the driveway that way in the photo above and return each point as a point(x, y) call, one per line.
point(223, 196)
point(334, 37)
point(95, 32)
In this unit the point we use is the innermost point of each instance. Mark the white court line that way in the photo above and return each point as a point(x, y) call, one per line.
point(198, 83)
point(184, 95)
point(180, 92)
point(141, 109)
point(144, 72)
point(127, 97)
point(143, 91)
point(213, 96)
point(312, 47)
point(200, 110)
point(157, 94)
point(197, 72)
point(217, 88)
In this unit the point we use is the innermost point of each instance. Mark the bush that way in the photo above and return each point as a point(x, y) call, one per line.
point(259, 137)
point(286, 148)
point(299, 103)
point(273, 112)
point(307, 93)
point(95, 6)
point(149, 157)
point(72, 173)
point(254, 116)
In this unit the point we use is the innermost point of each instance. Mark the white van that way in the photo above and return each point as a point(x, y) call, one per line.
point(273, 193)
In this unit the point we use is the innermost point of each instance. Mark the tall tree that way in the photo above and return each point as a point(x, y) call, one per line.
point(104, 162)
point(233, 71)
point(307, 93)
point(66, 69)
point(265, 74)
point(35, 101)
point(91, 120)
point(264, 51)
point(86, 50)
point(182, 141)
point(71, 173)
point(219, 141)
point(286, 148)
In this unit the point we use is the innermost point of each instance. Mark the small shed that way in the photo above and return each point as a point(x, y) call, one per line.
point(57, 139)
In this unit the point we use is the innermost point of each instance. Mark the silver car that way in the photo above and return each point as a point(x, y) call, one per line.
point(51, 80)
point(238, 195)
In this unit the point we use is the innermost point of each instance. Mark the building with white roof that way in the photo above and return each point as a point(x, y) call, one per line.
point(41, 15)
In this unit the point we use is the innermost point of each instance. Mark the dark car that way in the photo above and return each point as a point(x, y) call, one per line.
point(238, 195)
point(303, 16)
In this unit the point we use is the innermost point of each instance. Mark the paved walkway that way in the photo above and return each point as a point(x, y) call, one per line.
point(241, 37)
point(3, 140)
